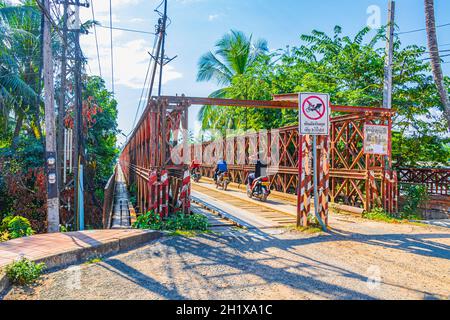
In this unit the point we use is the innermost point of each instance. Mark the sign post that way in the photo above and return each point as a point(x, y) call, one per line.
point(314, 120)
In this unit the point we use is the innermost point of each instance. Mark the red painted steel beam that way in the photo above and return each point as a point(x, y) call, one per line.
point(277, 103)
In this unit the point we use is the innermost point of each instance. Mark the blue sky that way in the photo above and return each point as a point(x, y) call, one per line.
point(197, 24)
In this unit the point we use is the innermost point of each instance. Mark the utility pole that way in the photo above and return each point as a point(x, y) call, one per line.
point(50, 134)
point(62, 99)
point(163, 33)
point(387, 88)
point(78, 140)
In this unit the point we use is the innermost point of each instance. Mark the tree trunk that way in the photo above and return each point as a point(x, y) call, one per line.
point(435, 59)
point(15, 138)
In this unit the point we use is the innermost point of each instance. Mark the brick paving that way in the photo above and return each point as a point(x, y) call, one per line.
point(44, 246)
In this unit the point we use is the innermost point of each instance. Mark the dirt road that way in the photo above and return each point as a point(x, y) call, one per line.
point(359, 260)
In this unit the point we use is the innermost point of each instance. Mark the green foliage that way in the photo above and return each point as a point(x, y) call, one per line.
point(234, 55)
point(424, 150)
point(94, 260)
point(149, 220)
point(351, 69)
point(101, 141)
point(19, 69)
point(378, 214)
point(4, 236)
point(13, 227)
point(184, 222)
point(176, 222)
point(24, 272)
point(415, 196)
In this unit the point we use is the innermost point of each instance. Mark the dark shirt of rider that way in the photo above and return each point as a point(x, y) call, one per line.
point(258, 169)
point(258, 166)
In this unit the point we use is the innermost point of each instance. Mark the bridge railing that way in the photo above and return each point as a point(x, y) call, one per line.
point(356, 179)
point(108, 201)
point(437, 180)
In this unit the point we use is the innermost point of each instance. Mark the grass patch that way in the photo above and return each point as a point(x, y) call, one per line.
point(94, 260)
point(310, 229)
point(188, 233)
point(24, 271)
point(378, 214)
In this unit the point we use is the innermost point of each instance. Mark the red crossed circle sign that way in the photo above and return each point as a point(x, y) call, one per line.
point(314, 108)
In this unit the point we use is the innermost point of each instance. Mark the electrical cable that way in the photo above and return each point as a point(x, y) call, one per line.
point(96, 39)
point(112, 49)
point(423, 29)
point(127, 29)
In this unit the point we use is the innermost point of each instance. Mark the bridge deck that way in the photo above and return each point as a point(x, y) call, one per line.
point(249, 213)
point(121, 211)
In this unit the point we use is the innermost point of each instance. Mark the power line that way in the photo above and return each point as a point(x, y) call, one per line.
point(145, 82)
point(96, 39)
point(112, 51)
point(444, 55)
point(422, 29)
point(127, 29)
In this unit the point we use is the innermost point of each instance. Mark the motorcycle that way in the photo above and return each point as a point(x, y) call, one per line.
point(222, 181)
point(258, 188)
point(196, 176)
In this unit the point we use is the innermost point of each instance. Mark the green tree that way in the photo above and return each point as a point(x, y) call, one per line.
point(234, 54)
point(351, 70)
point(19, 68)
point(102, 152)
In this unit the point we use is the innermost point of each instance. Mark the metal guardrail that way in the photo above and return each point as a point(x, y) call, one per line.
point(437, 180)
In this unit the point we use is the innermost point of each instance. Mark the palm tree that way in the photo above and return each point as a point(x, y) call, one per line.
point(234, 54)
point(435, 59)
point(19, 64)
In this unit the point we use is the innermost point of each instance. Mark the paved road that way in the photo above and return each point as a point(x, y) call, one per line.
point(439, 223)
point(359, 260)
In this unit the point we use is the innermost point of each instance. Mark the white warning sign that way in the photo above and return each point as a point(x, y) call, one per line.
point(376, 139)
point(314, 113)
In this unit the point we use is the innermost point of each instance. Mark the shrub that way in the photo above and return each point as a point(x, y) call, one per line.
point(19, 227)
point(415, 196)
point(176, 222)
point(24, 271)
point(184, 222)
point(379, 214)
point(6, 220)
point(149, 220)
point(13, 227)
point(4, 236)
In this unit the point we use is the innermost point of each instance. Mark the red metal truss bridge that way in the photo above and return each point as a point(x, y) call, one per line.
point(348, 175)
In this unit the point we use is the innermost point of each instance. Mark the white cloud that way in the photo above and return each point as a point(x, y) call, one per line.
point(131, 59)
point(131, 56)
point(213, 17)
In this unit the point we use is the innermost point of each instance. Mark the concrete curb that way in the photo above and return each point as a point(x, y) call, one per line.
point(82, 254)
point(4, 283)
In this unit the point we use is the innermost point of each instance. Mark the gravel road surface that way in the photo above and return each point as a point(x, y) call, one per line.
point(359, 259)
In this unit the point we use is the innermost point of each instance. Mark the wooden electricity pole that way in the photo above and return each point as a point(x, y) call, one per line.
point(50, 133)
point(387, 88)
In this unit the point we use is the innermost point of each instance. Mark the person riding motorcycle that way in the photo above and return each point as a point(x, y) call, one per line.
point(221, 167)
point(195, 167)
point(258, 170)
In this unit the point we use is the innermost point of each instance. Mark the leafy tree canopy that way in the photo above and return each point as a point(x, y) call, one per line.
point(351, 69)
